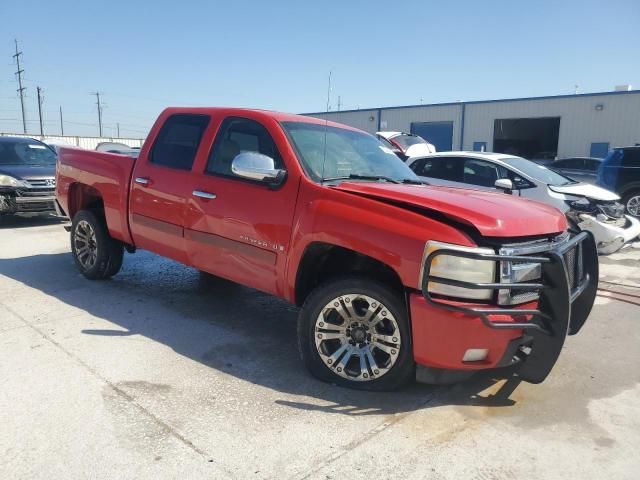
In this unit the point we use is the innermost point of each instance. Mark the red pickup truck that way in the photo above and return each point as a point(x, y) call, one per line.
point(389, 272)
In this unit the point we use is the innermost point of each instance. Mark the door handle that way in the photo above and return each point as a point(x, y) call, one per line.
point(142, 180)
point(201, 194)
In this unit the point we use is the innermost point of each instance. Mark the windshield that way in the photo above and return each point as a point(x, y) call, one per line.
point(538, 172)
point(405, 140)
point(348, 152)
point(26, 153)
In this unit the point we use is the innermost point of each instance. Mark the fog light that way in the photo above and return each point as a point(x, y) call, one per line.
point(475, 354)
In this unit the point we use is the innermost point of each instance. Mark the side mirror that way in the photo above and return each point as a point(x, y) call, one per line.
point(504, 184)
point(259, 167)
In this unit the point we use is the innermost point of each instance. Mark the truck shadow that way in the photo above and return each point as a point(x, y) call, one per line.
point(225, 326)
point(31, 220)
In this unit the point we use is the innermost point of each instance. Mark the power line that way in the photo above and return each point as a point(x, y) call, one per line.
point(21, 89)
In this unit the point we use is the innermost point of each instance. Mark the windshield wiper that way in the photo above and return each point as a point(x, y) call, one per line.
point(414, 181)
point(355, 176)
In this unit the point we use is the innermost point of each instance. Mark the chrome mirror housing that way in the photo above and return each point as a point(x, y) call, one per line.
point(258, 167)
point(504, 184)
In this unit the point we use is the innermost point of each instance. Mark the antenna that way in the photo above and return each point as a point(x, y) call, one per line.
point(326, 126)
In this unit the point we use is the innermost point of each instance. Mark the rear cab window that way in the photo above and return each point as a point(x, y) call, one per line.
point(178, 140)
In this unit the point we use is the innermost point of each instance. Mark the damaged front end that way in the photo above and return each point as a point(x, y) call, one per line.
point(606, 220)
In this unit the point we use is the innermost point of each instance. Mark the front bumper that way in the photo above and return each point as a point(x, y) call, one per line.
point(444, 330)
point(12, 203)
point(609, 237)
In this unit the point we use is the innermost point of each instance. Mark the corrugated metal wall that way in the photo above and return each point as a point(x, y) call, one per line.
point(616, 120)
point(366, 120)
point(90, 143)
point(613, 118)
point(400, 119)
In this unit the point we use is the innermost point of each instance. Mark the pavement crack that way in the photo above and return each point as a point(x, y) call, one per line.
point(367, 436)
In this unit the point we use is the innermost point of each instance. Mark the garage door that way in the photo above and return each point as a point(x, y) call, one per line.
point(440, 134)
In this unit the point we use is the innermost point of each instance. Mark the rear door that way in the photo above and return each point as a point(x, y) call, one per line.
point(161, 183)
point(237, 228)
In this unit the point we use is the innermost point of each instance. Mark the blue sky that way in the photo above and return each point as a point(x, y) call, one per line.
point(145, 56)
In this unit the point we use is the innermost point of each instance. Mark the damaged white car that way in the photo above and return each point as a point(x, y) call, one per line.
point(586, 206)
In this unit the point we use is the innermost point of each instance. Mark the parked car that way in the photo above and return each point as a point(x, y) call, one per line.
point(620, 172)
point(581, 169)
point(388, 272)
point(119, 148)
point(27, 176)
point(588, 207)
point(406, 145)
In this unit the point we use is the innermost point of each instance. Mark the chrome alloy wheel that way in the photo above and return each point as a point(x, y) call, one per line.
point(633, 206)
point(357, 337)
point(86, 245)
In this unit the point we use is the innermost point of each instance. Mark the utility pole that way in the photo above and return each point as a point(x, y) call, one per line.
point(97, 94)
point(339, 102)
point(40, 100)
point(118, 129)
point(61, 124)
point(21, 89)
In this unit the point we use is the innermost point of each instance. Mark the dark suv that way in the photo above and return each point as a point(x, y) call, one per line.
point(620, 172)
point(27, 176)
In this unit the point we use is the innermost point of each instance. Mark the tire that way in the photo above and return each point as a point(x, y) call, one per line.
point(388, 362)
point(631, 202)
point(97, 255)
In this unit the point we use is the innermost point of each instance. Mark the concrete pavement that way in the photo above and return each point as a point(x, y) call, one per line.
point(164, 373)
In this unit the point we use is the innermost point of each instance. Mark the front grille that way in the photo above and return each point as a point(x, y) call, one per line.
point(42, 182)
point(523, 272)
point(573, 261)
point(39, 187)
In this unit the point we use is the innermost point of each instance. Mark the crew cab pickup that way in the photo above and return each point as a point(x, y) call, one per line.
point(389, 272)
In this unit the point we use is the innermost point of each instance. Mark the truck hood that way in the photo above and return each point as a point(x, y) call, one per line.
point(587, 190)
point(27, 171)
point(492, 214)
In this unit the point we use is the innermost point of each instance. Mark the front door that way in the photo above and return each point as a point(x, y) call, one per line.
point(160, 186)
point(237, 228)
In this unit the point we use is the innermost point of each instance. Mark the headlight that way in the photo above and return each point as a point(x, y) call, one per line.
point(7, 181)
point(459, 268)
point(581, 205)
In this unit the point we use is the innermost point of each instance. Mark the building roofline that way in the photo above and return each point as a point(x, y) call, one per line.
point(476, 102)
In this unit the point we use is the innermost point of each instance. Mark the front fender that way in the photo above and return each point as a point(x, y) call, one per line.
point(393, 235)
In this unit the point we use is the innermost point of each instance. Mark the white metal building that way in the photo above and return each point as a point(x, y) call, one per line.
point(89, 143)
point(558, 126)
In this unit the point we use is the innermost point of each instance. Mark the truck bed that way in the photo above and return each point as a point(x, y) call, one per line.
point(81, 173)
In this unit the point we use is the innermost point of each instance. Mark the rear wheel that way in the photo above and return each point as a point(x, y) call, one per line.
point(355, 332)
point(632, 203)
point(97, 255)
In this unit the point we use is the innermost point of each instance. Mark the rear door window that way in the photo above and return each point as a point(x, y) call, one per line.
point(178, 141)
point(444, 168)
point(631, 157)
point(571, 163)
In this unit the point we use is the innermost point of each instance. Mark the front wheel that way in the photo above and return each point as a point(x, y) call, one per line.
point(97, 255)
point(632, 203)
point(355, 332)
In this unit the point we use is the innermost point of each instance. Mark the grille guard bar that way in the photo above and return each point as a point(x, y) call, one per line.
point(561, 311)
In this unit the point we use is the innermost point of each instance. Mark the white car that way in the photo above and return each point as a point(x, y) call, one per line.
point(586, 206)
point(406, 145)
